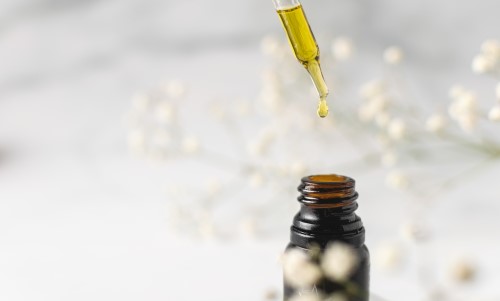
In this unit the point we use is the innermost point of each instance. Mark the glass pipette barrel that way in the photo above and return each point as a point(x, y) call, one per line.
point(304, 45)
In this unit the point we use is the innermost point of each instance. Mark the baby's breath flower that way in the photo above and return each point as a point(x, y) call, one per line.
point(337, 297)
point(462, 270)
point(494, 113)
point(218, 111)
point(141, 102)
point(436, 123)
point(393, 55)
point(136, 140)
point(163, 112)
point(372, 88)
point(491, 47)
point(297, 168)
point(397, 180)
point(242, 108)
point(261, 146)
point(396, 129)
point(456, 91)
point(339, 261)
point(299, 270)
point(256, 180)
point(271, 94)
point(270, 294)
point(379, 103)
point(366, 113)
point(248, 227)
point(464, 110)
point(382, 119)
point(388, 256)
point(306, 297)
point(213, 187)
point(413, 232)
point(389, 159)
point(175, 89)
point(190, 144)
point(342, 48)
point(269, 45)
point(482, 64)
point(206, 228)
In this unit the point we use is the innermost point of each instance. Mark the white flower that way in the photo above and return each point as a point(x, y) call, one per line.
point(262, 144)
point(213, 187)
point(462, 270)
point(413, 232)
point(482, 64)
point(243, 108)
point(248, 227)
point(297, 168)
point(299, 270)
point(494, 113)
point(206, 230)
point(456, 91)
point(206, 226)
point(372, 108)
point(269, 45)
point(218, 111)
point(382, 119)
point(190, 144)
point(388, 256)
point(491, 48)
point(339, 261)
point(163, 112)
point(136, 140)
point(464, 110)
point(366, 113)
point(342, 48)
point(393, 55)
point(141, 102)
point(305, 297)
point(389, 159)
point(372, 88)
point(396, 129)
point(397, 180)
point(256, 180)
point(175, 89)
point(270, 294)
point(436, 123)
point(468, 123)
point(271, 94)
point(337, 297)
point(379, 103)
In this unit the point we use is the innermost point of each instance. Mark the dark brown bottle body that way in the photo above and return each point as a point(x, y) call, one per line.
point(327, 216)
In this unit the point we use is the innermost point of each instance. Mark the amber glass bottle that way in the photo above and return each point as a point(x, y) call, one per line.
point(326, 216)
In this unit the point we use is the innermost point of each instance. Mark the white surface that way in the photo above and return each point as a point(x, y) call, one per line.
point(81, 219)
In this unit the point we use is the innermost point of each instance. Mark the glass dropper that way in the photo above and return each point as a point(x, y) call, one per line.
point(304, 45)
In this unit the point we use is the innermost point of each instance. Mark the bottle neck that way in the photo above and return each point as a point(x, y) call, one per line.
point(327, 213)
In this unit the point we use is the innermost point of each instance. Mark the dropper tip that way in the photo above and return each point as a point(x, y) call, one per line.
point(322, 109)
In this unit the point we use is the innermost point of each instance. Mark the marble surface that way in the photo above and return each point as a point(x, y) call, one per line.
point(80, 218)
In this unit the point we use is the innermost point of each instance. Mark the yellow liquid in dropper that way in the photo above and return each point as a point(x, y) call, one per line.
point(306, 50)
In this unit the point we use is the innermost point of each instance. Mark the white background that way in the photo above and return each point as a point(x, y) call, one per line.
point(81, 219)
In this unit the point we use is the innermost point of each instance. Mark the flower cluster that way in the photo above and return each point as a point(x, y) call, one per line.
point(304, 271)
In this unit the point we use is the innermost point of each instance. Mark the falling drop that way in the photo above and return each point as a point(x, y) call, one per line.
point(322, 108)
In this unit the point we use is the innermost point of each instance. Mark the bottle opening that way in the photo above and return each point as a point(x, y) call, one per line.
point(328, 179)
point(327, 190)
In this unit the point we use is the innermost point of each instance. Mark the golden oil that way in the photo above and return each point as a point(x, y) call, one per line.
point(306, 50)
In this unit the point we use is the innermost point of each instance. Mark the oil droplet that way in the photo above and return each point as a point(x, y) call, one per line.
point(322, 108)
